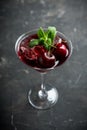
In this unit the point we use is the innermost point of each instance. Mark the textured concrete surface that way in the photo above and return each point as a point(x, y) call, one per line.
point(70, 112)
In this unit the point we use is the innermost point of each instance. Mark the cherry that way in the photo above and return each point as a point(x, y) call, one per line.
point(47, 60)
point(61, 52)
point(44, 58)
point(28, 53)
point(39, 50)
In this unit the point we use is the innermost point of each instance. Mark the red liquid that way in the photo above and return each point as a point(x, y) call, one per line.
point(39, 58)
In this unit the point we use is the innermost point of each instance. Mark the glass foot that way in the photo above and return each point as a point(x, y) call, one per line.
point(43, 99)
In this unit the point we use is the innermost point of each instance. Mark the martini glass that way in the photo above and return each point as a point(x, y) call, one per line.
point(45, 95)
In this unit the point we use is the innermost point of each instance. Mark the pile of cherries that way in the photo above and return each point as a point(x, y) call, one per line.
point(39, 57)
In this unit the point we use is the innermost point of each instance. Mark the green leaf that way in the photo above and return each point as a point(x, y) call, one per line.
point(51, 32)
point(33, 42)
point(48, 44)
point(41, 33)
point(41, 41)
point(45, 38)
point(49, 41)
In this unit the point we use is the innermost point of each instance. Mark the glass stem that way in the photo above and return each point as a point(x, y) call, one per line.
point(43, 92)
point(43, 81)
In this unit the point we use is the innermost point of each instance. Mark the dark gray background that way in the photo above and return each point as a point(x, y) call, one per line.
point(70, 112)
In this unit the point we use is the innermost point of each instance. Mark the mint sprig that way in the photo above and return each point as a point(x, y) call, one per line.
point(45, 38)
point(34, 42)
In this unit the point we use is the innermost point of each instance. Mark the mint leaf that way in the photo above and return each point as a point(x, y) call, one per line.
point(51, 33)
point(45, 38)
point(33, 42)
point(49, 41)
point(47, 44)
point(41, 41)
point(41, 33)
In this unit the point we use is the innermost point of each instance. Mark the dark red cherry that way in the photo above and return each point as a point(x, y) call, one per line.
point(39, 50)
point(47, 60)
point(61, 52)
point(28, 53)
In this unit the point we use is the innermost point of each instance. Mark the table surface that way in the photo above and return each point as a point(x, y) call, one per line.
point(70, 79)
